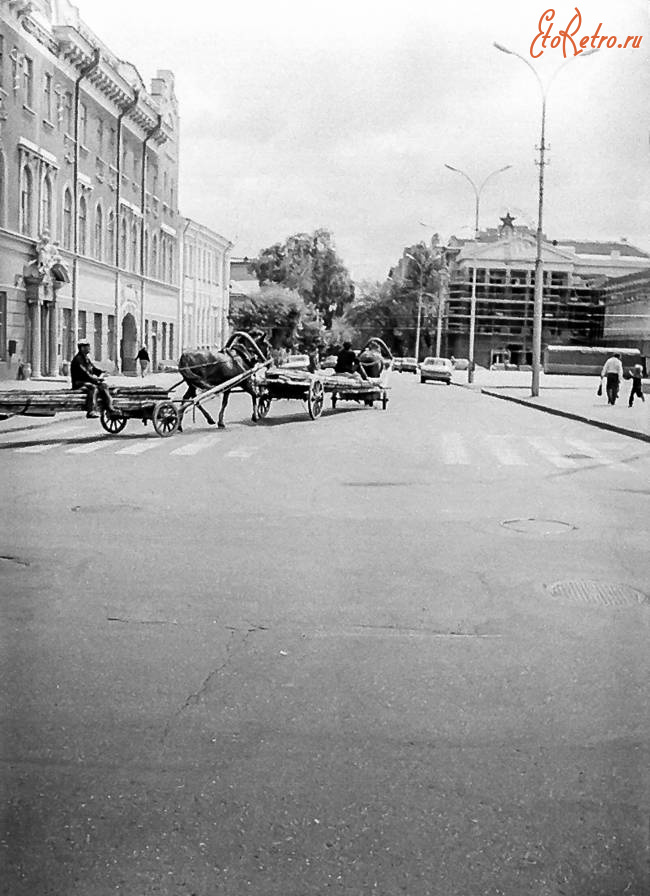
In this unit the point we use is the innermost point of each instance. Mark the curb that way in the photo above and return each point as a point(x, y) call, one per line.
point(632, 433)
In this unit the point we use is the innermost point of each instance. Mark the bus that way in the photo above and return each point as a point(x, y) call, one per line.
point(586, 360)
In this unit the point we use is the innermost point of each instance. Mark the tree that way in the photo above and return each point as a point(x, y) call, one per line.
point(290, 322)
point(309, 264)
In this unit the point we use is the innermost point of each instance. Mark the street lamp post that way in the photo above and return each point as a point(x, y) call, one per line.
point(472, 306)
point(420, 292)
point(538, 299)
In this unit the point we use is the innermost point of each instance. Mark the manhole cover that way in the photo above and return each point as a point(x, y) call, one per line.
point(538, 527)
point(598, 594)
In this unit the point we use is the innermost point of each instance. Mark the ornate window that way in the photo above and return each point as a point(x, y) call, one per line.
point(99, 233)
point(26, 200)
point(110, 238)
point(134, 246)
point(67, 219)
point(154, 256)
point(46, 204)
point(124, 243)
point(82, 224)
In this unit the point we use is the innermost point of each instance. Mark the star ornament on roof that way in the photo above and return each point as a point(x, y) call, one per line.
point(507, 221)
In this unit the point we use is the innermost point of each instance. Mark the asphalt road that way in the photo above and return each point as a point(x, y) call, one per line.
point(379, 653)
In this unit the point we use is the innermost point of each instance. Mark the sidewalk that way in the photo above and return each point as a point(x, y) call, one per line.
point(567, 396)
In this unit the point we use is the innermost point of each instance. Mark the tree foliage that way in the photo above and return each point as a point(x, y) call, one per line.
point(390, 309)
point(309, 265)
point(290, 322)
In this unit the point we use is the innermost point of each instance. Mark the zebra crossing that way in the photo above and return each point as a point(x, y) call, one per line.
point(447, 448)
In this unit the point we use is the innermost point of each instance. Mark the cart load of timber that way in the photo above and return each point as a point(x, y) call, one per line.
point(376, 360)
point(142, 402)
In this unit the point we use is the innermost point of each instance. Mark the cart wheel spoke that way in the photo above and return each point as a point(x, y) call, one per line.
point(165, 418)
point(263, 406)
point(113, 423)
point(315, 399)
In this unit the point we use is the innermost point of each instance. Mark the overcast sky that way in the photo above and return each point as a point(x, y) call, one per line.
point(342, 113)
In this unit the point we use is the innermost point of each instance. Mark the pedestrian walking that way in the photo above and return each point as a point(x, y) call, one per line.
point(143, 358)
point(637, 386)
point(612, 372)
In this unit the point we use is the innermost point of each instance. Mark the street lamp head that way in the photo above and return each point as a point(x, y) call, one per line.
point(588, 52)
point(451, 167)
point(503, 49)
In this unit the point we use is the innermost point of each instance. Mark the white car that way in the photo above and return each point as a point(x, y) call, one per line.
point(437, 370)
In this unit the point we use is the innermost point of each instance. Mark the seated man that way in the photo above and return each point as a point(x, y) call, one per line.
point(347, 361)
point(86, 376)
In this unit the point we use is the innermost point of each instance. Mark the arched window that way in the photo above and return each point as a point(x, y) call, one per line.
point(46, 204)
point(134, 246)
point(67, 219)
point(99, 233)
point(145, 251)
point(124, 243)
point(83, 221)
point(26, 200)
point(110, 238)
point(170, 262)
point(154, 256)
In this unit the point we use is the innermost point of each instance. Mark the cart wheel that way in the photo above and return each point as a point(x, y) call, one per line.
point(384, 401)
point(165, 418)
point(334, 399)
point(113, 423)
point(263, 406)
point(315, 399)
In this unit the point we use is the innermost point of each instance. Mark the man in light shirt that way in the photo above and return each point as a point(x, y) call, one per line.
point(613, 371)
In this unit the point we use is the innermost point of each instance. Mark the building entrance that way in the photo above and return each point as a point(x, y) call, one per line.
point(128, 344)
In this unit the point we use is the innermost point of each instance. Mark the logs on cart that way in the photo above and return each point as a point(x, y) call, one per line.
point(48, 402)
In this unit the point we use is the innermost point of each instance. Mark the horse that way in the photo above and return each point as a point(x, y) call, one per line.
point(204, 370)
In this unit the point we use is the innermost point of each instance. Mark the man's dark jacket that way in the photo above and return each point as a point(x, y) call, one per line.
point(82, 371)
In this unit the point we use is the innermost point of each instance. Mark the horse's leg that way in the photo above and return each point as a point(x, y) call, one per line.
point(247, 386)
point(224, 405)
point(190, 393)
point(206, 414)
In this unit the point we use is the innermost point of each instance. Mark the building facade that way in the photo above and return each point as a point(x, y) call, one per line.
point(205, 295)
point(500, 267)
point(89, 224)
point(627, 312)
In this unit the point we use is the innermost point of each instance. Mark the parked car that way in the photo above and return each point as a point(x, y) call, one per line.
point(409, 365)
point(461, 363)
point(397, 363)
point(437, 370)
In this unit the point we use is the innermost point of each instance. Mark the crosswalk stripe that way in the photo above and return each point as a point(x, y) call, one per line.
point(36, 449)
point(195, 447)
point(453, 448)
point(89, 448)
point(598, 456)
point(140, 447)
point(242, 453)
point(504, 452)
point(551, 453)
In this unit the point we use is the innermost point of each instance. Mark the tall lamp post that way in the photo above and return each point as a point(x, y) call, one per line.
point(420, 293)
point(472, 306)
point(539, 263)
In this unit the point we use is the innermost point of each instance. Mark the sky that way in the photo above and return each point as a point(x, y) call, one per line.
point(342, 114)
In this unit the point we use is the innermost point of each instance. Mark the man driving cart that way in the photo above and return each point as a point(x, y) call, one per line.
point(85, 375)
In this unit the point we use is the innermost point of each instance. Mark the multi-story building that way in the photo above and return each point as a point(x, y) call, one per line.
point(205, 282)
point(627, 312)
point(500, 266)
point(89, 226)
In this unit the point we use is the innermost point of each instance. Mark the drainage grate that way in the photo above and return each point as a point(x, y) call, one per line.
point(597, 594)
point(538, 527)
